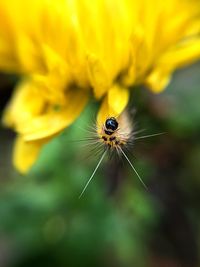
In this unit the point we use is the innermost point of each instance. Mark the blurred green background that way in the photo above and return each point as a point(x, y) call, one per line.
point(116, 222)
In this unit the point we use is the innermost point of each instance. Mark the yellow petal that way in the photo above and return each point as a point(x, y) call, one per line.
point(26, 153)
point(97, 76)
point(26, 103)
point(113, 104)
point(118, 97)
point(181, 55)
point(158, 80)
point(56, 118)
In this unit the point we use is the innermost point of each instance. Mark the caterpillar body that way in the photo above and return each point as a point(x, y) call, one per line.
point(115, 134)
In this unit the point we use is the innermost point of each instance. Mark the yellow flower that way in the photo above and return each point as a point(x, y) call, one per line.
point(68, 49)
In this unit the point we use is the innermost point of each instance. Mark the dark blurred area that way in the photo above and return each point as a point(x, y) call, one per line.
point(117, 223)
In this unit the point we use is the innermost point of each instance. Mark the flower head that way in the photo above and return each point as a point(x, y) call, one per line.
point(67, 50)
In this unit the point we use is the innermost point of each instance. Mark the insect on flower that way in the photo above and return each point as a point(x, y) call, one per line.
point(115, 135)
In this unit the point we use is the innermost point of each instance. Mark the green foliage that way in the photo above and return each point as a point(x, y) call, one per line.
point(42, 214)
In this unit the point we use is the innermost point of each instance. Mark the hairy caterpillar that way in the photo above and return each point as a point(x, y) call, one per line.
point(114, 135)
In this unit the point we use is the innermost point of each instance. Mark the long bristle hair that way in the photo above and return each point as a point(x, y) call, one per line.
point(116, 143)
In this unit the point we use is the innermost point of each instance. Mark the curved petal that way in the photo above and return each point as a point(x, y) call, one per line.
point(26, 153)
point(113, 104)
point(181, 55)
point(158, 80)
point(56, 118)
point(26, 103)
point(97, 76)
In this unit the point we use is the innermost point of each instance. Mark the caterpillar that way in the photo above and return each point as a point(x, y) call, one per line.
point(115, 134)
